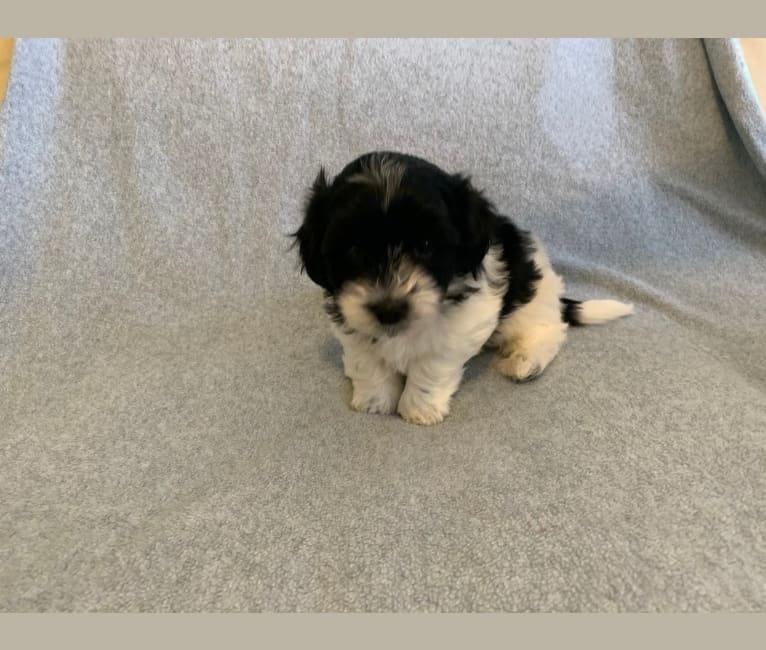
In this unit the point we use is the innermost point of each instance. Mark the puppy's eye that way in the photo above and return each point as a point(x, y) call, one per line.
point(423, 246)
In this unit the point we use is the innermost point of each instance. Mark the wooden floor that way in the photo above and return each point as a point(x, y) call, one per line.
point(754, 50)
point(6, 50)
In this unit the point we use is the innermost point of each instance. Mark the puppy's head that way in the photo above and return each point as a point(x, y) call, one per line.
point(388, 236)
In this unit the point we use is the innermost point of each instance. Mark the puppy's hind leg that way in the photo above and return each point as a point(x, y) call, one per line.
point(530, 337)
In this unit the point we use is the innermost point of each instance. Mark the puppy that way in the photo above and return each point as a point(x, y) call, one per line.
point(420, 272)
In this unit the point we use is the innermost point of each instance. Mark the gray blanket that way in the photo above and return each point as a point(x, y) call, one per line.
point(175, 432)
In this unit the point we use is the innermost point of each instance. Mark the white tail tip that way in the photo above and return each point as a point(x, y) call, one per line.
point(595, 312)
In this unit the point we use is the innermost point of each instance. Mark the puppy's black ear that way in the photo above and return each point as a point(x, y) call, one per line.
point(311, 233)
point(474, 217)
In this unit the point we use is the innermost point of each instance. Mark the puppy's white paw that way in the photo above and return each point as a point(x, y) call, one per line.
point(421, 411)
point(382, 402)
point(519, 366)
point(376, 404)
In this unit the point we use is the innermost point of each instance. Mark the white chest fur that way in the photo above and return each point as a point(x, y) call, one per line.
point(454, 334)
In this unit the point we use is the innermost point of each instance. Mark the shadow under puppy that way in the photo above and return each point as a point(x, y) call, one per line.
point(420, 272)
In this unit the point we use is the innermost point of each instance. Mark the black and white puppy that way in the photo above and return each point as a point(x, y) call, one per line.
point(420, 273)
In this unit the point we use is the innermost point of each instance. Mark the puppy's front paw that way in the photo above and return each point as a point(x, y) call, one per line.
point(376, 404)
point(383, 401)
point(417, 410)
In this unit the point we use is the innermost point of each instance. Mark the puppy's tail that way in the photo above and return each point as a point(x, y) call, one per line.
point(593, 312)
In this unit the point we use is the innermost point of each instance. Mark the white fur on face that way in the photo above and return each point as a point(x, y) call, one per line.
point(404, 281)
point(430, 350)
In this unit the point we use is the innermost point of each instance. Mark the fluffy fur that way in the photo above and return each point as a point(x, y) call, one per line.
point(421, 272)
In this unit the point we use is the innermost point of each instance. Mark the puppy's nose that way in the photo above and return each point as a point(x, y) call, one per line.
point(390, 312)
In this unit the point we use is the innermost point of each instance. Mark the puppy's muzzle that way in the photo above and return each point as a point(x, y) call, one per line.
point(390, 312)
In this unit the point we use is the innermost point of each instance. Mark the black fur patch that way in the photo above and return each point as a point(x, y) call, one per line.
point(440, 221)
point(522, 272)
point(570, 311)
